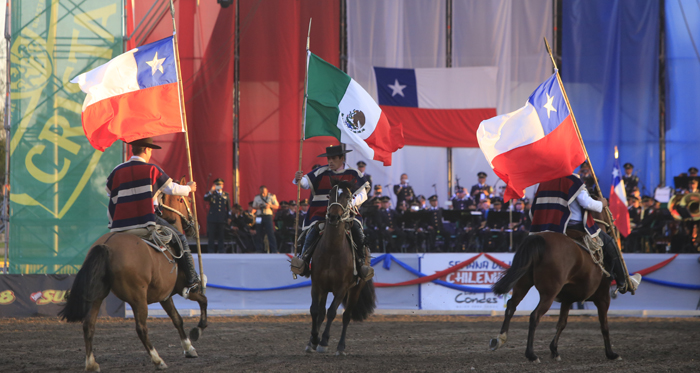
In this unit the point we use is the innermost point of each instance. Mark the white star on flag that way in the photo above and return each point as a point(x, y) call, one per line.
point(616, 172)
point(397, 89)
point(549, 106)
point(156, 64)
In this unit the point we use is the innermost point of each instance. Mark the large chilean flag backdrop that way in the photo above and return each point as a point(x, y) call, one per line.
point(439, 107)
point(133, 96)
point(533, 144)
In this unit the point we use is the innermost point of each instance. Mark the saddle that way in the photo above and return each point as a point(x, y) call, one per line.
point(592, 245)
point(159, 238)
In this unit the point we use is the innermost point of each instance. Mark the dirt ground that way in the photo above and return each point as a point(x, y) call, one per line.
point(380, 344)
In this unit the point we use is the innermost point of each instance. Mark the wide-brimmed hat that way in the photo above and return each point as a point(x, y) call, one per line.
point(146, 143)
point(334, 151)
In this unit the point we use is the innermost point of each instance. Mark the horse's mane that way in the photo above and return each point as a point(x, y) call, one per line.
point(343, 184)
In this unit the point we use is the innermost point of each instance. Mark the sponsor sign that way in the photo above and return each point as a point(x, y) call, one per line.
point(40, 295)
point(481, 274)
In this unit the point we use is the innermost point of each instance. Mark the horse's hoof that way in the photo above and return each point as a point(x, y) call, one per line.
point(191, 353)
point(322, 349)
point(310, 348)
point(161, 366)
point(557, 358)
point(93, 368)
point(619, 358)
point(195, 333)
point(493, 344)
point(340, 353)
point(537, 361)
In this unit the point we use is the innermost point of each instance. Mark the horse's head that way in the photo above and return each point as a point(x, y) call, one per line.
point(176, 211)
point(339, 200)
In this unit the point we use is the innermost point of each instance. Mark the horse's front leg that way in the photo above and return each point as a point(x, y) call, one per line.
point(332, 311)
point(170, 309)
point(314, 310)
point(201, 299)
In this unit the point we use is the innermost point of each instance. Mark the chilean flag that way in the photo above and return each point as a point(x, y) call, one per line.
point(133, 96)
point(618, 201)
point(439, 107)
point(533, 144)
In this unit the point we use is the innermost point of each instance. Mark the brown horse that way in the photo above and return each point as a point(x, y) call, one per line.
point(138, 275)
point(332, 271)
point(561, 271)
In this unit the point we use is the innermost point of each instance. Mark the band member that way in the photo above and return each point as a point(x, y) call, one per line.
point(434, 226)
point(242, 222)
point(461, 201)
point(217, 218)
point(403, 191)
point(481, 190)
point(389, 226)
point(133, 188)
point(319, 181)
point(362, 166)
point(575, 204)
point(630, 179)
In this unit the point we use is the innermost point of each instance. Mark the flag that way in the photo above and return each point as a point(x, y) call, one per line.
point(338, 106)
point(618, 201)
point(439, 107)
point(133, 96)
point(533, 144)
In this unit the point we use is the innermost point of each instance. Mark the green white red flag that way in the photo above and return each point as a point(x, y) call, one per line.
point(338, 106)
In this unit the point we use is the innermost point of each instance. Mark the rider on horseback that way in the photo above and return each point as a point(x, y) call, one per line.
point(565, 200)
point(319, 180)
point(134, 187)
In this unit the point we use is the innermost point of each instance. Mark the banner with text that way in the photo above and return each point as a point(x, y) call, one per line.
point(482, 274)
point(58, 202)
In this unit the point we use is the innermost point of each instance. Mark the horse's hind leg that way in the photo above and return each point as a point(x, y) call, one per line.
point(140, 316)
point(170, 309)
point(332, 311)
point(602, 302)
point(546, 299)
point(519, 292)
point(88, 332)
point(200, 298)
point(561, 324)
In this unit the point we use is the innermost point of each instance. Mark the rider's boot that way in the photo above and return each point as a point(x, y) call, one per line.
point(366, 271)
point(191, 278)
point(300, 264)
point(615, 267)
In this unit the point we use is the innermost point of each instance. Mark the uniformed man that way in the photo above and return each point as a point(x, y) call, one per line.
point(422, 202)
point(692, 186)
point(217, 218)
point(361, 166)
point(377, 194)
point(241, 224)
point(481, 189)
point(303, 210)
point(461, 201)
point(635, 211)
point(403, 191)
point(693, 172)
point(280, 220)
point(266, 204)
point(629, 178)
point(434, 226)
point(389, 226)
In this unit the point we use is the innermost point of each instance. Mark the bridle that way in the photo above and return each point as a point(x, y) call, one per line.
point(188, 221)
point(346, 216)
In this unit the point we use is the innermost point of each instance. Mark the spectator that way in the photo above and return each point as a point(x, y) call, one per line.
point(403, 191)
point(217, 218)
point(266, 205)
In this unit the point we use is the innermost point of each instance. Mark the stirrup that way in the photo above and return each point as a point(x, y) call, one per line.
point(188, 289)
point(297, 265)
point(366, 272)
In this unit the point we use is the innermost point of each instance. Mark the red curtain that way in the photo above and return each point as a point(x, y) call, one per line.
point(272, 65)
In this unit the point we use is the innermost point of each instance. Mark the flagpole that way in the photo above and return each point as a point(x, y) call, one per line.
point(187, 147)
point(301, 138)
point(585, 152)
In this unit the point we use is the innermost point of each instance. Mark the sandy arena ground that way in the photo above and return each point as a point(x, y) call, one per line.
point(380, 344)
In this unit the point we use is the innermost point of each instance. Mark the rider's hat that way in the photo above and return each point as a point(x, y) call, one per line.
point(146, 143)
point(334, 151)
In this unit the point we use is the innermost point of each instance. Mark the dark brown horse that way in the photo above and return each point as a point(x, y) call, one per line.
point(561, 271)
point(333, 271)
point(138, 275)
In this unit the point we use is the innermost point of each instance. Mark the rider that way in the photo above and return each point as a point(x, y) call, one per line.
point(134, 187)
point(566, 200)
point(319, 180)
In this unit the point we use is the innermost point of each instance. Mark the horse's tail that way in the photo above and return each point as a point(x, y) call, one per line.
point(365, 304)
point(91, 283)
point(532, 248)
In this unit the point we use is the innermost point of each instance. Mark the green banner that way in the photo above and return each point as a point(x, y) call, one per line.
point(58, 198)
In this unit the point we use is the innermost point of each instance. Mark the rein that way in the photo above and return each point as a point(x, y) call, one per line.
point(345, 217)
point(189, 220)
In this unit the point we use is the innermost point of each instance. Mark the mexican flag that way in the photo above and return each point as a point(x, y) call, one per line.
point(337, 106)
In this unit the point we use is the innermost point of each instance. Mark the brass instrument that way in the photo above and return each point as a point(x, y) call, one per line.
point(685, 206)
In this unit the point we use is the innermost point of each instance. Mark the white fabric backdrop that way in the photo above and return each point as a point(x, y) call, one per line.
point(506, 34)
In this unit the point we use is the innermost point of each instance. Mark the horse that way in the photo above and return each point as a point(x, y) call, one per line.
point(560, 270)
point(333, 271)
point(138, 275)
